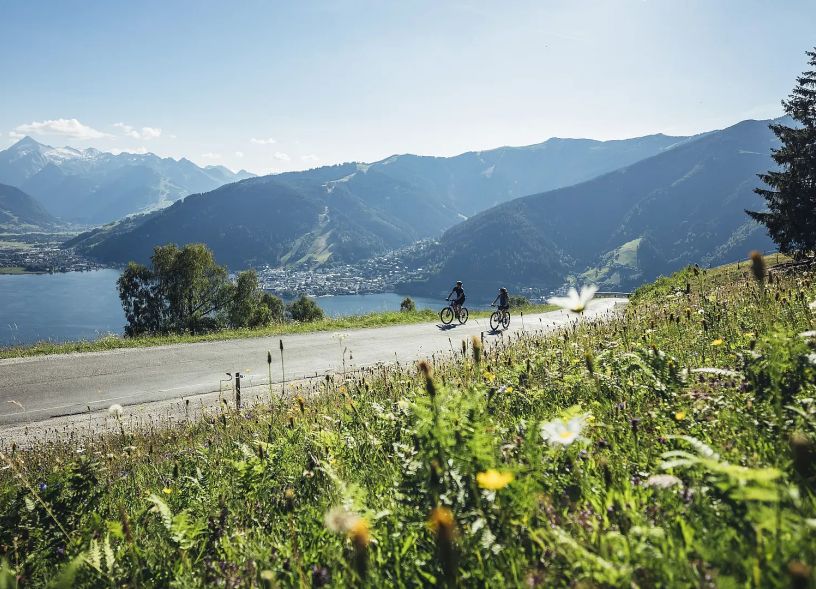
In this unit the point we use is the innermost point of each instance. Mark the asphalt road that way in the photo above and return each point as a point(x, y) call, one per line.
point(43, 387)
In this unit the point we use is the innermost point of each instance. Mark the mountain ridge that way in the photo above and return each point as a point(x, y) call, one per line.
point(93, 186)
point(358, 210)
point(681, 206)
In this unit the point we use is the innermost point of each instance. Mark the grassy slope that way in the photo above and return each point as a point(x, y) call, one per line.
point(240, 498)
point(328, 324)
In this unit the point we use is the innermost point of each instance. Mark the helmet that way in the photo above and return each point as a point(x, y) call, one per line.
point(503, 289)
point(458, 283)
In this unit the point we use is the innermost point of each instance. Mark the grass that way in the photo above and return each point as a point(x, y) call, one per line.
point(114, 342)
point(15, 270)
point(672, 446)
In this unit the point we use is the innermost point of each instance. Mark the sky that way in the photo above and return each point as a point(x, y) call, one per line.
point(276, 86)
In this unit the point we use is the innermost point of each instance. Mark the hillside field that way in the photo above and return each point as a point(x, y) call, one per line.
point(669, 446)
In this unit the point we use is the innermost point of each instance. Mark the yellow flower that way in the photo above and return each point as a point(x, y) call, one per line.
point(750, 334)
point(441, 517)
point(489, 376)
point(508, 390)
point(359, 534)
point(717, 342)
point(167, 491)
point(680, 415)
point(493, 480)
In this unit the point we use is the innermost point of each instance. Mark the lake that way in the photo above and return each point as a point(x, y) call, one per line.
point(85, 305)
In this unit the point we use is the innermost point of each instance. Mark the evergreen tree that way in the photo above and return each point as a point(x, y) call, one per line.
point(791, 192)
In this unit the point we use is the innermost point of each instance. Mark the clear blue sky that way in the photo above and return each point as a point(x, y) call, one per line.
point(332, 81)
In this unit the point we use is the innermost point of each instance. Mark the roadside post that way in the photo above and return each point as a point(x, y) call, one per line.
point(238, 391)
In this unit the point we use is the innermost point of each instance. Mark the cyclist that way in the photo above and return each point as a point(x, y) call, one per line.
point(504, 300)
point(460, 297)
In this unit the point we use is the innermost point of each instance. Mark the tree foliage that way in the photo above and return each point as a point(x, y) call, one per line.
point(305, 309)
point(407, 305)
point(186, 291)
point(791, 192)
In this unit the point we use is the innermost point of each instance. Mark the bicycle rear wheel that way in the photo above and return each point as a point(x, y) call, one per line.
point(495, 320)
point(463, 315)
point(506, 320)
point(446, 315)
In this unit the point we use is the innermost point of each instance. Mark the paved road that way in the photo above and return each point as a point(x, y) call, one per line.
point(38, 388)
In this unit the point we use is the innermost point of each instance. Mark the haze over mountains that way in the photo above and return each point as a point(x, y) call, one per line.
point(683, 206)
point(91, 187)
point(19, 211)
point(354, 211)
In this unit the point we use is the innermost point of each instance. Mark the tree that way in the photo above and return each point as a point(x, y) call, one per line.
point(407, 305)
point(305, 309)
point(518, 301)
point(249, 306)
point(791, 193)
point(143, 308)
point(182, 292)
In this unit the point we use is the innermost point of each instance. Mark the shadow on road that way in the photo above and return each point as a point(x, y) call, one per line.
point(444, 327)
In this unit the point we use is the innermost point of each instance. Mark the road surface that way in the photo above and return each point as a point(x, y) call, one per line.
point(39, 388)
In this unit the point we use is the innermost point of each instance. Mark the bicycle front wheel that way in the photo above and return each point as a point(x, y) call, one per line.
point(494, 321)
point(446, 315)
point(463, 315)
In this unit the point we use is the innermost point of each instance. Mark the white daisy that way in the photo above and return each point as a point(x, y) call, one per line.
point(575, 302)
point(559, 432)
point(116, 410)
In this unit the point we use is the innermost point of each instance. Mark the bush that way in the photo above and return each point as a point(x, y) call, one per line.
point(407, 305)
point(517, 301)
point(305, 309)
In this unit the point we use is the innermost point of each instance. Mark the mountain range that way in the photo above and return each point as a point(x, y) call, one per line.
point(353, 211)
point(90, 186)
point(685, 205)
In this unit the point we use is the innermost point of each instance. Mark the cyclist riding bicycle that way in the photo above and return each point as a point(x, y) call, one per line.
point(504, 300)
point(460, 297)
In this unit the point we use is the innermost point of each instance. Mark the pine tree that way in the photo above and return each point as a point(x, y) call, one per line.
point(791, 193)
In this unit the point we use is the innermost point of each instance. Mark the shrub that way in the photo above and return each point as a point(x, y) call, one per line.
point(407, 305)
point(305, 309)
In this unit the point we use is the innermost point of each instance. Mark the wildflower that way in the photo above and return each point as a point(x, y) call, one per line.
point(717, 342)
point(804, 454)
point(427, 372)
point(680, 415)
point(799, 574)
point(340, 520)
point(663, 481)
point(167, 491)
point(505, 389)
point(320, 576)
point(758, 267)
point(564, 433)
point(443, 525)
point(488, 376)
point(575, 302)
point(493, 480)
point(116, 410)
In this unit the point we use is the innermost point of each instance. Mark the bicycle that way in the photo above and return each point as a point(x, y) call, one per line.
point(500, 317)
point(447, 314)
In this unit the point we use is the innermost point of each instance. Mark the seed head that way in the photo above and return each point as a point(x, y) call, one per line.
point(758, 267)
point(427, 372)
point(477, 350)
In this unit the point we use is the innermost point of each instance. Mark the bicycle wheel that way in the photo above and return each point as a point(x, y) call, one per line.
point(446, 315)
point(506, 320)
point(463, 315)
point(494, 321)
